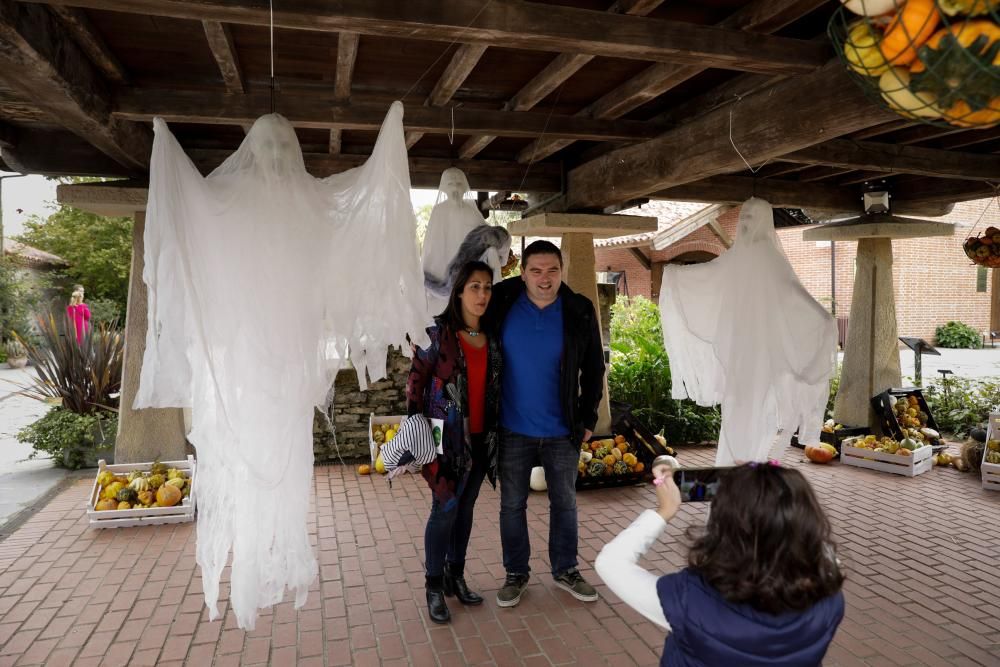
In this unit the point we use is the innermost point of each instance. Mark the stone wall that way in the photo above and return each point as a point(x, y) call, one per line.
point(352, 408)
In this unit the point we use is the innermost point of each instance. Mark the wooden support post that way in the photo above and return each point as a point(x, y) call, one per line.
point(995, 300)
point(579, 274)
point(871, 357)
point(143, 435)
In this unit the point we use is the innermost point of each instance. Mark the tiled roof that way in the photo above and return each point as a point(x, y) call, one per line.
point(30, 255)
point(668, 213)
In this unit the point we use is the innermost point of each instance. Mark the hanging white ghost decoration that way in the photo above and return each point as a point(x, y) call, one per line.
point(457, 234)
point(741, 330)
point(261, 278)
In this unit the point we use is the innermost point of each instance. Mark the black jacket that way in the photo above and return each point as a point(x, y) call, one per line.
point(582, 376)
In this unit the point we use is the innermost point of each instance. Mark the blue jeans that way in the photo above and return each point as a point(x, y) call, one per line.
point(518, 454)
point(446, 537)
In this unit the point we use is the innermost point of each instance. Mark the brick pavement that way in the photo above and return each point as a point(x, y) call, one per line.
point(922, 554)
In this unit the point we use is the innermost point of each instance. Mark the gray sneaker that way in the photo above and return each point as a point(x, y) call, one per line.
point(513, 586)
point(573, 583)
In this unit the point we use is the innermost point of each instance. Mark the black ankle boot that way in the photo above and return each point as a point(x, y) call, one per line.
point(454, 584)
point(436, 605)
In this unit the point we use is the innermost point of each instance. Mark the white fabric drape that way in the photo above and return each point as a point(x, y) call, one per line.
point(260, 279)
point(454, 216)
point(741, 330)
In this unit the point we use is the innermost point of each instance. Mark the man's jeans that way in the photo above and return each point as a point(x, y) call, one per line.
point(518, 454)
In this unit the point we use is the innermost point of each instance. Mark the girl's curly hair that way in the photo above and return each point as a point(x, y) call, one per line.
point(768, 542)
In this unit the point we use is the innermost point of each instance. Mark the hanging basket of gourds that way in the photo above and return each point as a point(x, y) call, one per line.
point(984, 249)
point(934, 61)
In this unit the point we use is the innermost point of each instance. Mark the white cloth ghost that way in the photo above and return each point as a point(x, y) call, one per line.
point(454, 215)
point(741, 330)
point(260, 279)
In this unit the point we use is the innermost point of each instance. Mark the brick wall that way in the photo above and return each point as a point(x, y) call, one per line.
point(934, 281)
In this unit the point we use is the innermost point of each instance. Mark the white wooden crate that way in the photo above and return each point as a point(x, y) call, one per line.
point(991, 471)
point(142, 516)
point(917, 463)
point(372, 421)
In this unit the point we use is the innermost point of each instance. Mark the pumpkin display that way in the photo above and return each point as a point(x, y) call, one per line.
point(141, 489)
point(936, 61)
point(609, 457)
point(821, 453)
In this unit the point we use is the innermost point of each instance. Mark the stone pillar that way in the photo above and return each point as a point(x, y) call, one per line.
point(143, 435)
point(871, 356)
point(581, 276)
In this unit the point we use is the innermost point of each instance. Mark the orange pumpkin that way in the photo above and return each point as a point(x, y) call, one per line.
point(639, 467)
point(168, 495)
point(822, 453)
point(364, 469)
point(913, 25)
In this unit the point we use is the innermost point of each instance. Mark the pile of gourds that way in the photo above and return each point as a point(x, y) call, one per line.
point(160, 486)
point(935, 61)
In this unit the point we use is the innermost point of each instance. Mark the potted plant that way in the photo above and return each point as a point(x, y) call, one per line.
point(17, 354)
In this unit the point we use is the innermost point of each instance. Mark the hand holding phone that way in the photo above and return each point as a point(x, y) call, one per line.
point(698, 484)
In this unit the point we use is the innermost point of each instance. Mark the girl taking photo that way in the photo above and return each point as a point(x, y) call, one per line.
point(762, 585)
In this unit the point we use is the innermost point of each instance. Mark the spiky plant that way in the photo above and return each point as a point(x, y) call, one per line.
point(86, 376)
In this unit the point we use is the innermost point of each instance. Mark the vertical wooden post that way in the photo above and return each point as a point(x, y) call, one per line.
point(995, 300)
point(143, 435)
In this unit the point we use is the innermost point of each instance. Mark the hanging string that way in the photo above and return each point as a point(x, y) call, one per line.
point(451, 132)
point(538, 141)
point(739, 98)
point(271, 7)
point(450, 44)
point(989, 203)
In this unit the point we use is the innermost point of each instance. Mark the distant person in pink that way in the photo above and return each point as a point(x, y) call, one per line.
point(78, 313)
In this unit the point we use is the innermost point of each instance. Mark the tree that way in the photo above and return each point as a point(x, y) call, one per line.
point(98, 249)
point(16, 301)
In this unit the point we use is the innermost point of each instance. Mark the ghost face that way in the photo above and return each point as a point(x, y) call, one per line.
point(274, 146)
point(453, 183)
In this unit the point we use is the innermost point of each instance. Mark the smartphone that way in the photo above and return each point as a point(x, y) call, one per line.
point(699, 484)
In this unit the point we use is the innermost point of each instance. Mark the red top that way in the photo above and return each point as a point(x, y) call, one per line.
point(475, 364)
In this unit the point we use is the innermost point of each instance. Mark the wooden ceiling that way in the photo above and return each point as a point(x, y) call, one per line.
point(593, 103)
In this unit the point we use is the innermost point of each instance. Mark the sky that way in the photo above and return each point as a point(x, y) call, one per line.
point(29, 195)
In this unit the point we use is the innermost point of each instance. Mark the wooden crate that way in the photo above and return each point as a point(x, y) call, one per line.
point(183, 512)
point(917, 463)
point(991, 471)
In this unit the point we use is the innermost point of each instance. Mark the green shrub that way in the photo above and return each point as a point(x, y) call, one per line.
point(958, 404)
point(834, 388)
point(105, 311)
point(70, 438)
point(640, 376)
point(959, 336)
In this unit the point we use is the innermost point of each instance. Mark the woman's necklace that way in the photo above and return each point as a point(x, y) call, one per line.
point(472, 332)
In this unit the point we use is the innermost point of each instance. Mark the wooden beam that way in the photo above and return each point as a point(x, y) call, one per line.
point(54, 153)
point(762, 16)
point(938, 190)
point(720, 233)
point(510, 23)
point(555, 73)
point(643, 260)
point(55, 75)
point(220, 40)
point(792, 115)
point(462, 62)
point(92, 43)
point(879, 157)
point(424, 172)
point(729, 189)
point(324, 112)
point(347, 55)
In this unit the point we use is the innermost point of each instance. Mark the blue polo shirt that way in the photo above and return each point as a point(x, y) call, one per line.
point(532, 343)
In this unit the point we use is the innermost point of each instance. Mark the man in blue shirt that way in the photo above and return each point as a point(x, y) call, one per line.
point(553, 370)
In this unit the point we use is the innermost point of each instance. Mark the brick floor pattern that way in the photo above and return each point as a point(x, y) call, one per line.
point(922, 554)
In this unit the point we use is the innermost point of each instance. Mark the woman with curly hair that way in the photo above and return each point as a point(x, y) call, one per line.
point(762, 585)
point(457, 379)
